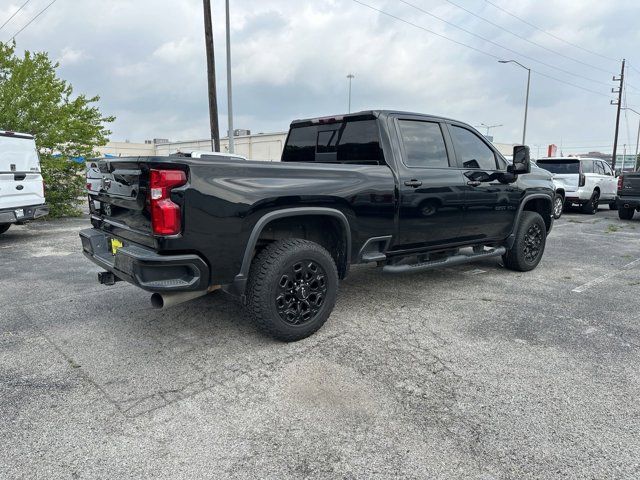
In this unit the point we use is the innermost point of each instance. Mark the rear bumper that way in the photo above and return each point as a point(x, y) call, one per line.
point(11, 215)
point(628, 202)
point(144, 267)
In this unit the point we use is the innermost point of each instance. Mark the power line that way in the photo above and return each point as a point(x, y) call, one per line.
point(502, 46)
point(526, 39)
point(549, 33)
point(14, 14)
point(33, 19)
point(496, 57)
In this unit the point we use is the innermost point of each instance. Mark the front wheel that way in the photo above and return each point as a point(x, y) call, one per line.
point(591, 207)
point(4, 227)
point(558, 206)
point(626, 213)
point(528, 247)
point(292, 288)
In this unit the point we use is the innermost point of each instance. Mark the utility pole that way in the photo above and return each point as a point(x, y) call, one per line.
point(229, 96)
point(619, 104)
point(211, 76)
point(351, 76)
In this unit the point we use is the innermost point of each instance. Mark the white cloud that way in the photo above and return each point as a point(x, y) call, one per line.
point(70, 56)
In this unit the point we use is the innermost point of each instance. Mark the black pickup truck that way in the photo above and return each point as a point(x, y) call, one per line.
point(628, 200)
point(403, 190)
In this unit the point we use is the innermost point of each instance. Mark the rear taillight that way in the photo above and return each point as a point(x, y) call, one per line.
point(88, 186)
point(582, 180)
point(165, 214)
point(620, 182)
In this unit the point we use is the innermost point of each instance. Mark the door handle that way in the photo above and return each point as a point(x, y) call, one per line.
point(413, 183)
point(474, 183)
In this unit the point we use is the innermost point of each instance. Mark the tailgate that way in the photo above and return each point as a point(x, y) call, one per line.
point(20, 190)
point(630, 184)
point(122, 199)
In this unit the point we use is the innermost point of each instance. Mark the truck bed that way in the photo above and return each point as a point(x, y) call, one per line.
point(224, 198)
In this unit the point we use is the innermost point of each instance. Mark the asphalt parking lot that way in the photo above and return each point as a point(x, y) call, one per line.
point(466, 372)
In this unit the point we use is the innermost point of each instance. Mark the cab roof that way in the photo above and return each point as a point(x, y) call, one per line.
point(363, 115)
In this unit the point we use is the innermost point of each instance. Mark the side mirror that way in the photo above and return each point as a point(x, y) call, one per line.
point(521, 160)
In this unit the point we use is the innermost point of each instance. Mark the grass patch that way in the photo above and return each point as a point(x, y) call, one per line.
point(613, 229)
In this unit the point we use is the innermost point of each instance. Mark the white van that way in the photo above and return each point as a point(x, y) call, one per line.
point(583, 181)
point(21, 185)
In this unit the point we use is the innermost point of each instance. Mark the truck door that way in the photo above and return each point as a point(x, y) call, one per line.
point(491, 202)
point(431, 187)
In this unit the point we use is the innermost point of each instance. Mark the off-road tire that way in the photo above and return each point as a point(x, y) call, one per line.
point(558, 206)
point(591, 207)
point(626, 213)
point(518, 257)
point(4, 227)
point(269, 268)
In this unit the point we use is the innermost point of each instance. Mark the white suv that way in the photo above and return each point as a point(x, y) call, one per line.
point(21, 186)
point(582, 181)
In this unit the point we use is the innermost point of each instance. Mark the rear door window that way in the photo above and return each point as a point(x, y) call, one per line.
point(587, 166)
point(355, 142)
point(471, 151)
point(423, 144)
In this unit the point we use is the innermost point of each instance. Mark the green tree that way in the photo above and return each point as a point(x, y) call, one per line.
point(34, 100)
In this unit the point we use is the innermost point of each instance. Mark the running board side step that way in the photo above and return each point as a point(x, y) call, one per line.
point(444, 262)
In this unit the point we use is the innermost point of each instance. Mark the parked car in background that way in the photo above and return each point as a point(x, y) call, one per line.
point(21, 185)
point(405, 191)
point(628, 195)
point(582, 181)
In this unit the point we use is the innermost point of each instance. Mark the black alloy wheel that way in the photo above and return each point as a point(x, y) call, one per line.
point(591, 207)
point(301, 292)
point(528, 246)
point(533, 243)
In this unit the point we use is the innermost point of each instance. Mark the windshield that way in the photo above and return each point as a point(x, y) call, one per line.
point(560, 166)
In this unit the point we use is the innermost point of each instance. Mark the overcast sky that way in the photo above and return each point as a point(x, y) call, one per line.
point(146, 60)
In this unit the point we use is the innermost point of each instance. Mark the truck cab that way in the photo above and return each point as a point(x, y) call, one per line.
point(21, 184)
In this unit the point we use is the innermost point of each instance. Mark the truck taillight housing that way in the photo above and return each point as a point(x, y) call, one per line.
point(620, 182)
point(165, 214)
point(582, 180)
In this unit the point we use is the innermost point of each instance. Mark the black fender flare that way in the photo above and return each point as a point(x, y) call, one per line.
point(240, 281)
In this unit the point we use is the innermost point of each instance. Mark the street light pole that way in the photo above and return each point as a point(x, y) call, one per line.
point(526, 102)
point(351, 76)
point(229, 96)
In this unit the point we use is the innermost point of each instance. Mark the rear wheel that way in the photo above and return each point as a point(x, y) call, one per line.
point(558, 206)
point(626, 213)
point(528, 247)
point(591, 207)
point(292, 289)
point(4, 227)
